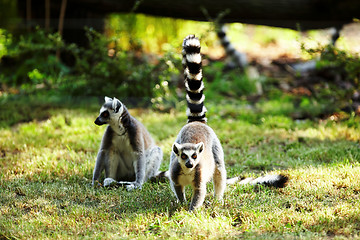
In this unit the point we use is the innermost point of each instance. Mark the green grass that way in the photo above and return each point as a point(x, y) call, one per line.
point(46, 168)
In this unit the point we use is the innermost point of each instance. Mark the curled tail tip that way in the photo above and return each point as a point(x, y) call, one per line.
point(282, 181)
point(191, 40)
point(277, 181)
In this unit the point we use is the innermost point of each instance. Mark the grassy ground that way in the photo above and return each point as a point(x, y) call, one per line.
point(46, 169)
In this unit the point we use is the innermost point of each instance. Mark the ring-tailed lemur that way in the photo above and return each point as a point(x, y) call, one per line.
point(239, 59)
point(128, 153)
point(197, 155)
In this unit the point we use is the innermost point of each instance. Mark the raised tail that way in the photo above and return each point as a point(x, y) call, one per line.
point(193, 79)
point(278, 181)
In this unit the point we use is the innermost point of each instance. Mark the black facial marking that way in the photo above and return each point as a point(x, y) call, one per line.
point(105, 114)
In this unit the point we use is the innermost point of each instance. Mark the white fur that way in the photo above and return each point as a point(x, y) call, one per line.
point(194, 58)
point(201, 100)
point(193, 42)
point(188, 113)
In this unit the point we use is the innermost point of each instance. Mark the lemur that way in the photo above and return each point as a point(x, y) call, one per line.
point(128, 153)
point(197, 155)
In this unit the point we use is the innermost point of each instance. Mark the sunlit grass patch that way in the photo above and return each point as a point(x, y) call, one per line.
point(46, 170)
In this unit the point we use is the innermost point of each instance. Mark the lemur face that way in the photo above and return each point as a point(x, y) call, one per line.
point(110, 111)
point(188, 154)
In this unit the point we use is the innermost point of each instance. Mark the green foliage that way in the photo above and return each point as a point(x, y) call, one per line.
point(342, 75)
point(232, 84)
point(153, 34)
point(34, 64)
point(31, 61)
point(5, 40)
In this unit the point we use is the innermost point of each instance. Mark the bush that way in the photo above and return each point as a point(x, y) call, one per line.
point(33, 63)
point(340, 75)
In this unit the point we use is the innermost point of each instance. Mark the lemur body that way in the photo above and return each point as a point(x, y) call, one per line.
point(197, 158)
point(128, 153)
point(197, 155)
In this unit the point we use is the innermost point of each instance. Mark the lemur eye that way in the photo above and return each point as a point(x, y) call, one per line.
point(105, 114)
point(183, 156)
point(194, 156)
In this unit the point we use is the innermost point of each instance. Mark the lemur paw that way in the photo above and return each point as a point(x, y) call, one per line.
point(130, 185)
point(109, 182)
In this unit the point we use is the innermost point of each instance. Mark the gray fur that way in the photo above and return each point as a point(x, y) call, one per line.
point(197, 155)
point(128, 153)
point(208, 165)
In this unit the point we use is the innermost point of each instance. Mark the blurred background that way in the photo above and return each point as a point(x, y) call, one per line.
point(304, 51)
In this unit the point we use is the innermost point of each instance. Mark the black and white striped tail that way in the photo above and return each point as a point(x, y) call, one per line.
point(193, 79)
point(239, 59)
point(278, 181)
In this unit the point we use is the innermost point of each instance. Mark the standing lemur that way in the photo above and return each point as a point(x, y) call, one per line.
point(127, 152)
point(197, 155)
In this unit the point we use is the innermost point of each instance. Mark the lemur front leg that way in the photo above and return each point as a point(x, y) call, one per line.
point(111, 166)
point(99, 166)
point(153, 158)
point(198, 197)
point(179, 191)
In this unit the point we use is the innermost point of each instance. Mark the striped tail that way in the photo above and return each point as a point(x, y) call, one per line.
point(193, 79)
point(277, 181)
point(238, 57)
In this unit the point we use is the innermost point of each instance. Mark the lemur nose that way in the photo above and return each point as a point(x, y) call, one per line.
point(189, 165)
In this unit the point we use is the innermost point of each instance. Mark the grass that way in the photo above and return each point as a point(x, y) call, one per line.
point(46, 169)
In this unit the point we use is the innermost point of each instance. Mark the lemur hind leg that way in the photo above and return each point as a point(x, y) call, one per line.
point(220, 172)
point(219, 182)
point(154, 157)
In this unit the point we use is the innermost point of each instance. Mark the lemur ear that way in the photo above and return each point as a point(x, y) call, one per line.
point(107, 99)
point(116, 105)
point(175, 148)
point(200, 147)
